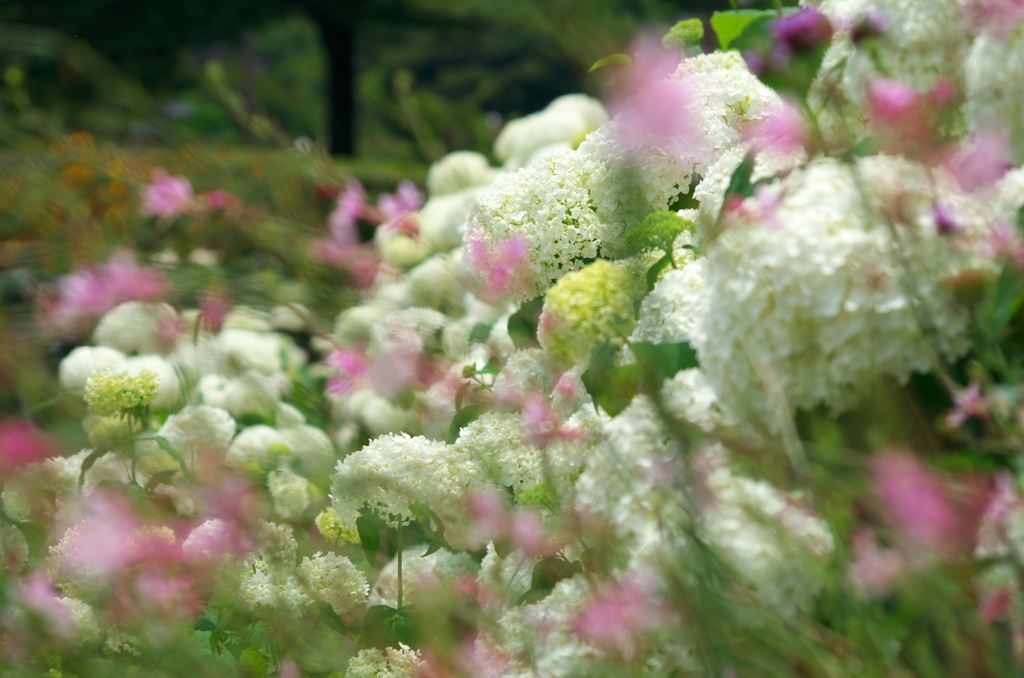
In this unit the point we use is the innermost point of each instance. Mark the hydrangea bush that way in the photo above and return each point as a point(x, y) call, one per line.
point(722, 381)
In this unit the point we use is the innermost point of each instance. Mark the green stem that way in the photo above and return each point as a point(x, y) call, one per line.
point(399, 566)
point(131, 444)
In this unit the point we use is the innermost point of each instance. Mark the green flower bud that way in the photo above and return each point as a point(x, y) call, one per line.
point(111, 393)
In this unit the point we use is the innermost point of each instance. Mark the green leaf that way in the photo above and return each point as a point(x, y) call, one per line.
point(546, 573)
point(730, 25)
point(463, 417)
point(88, 462)
point(739, 183)
point(612, 387)
point(432, 525)
point(611, 60)
point(160, 478)
point(331, 619)
point(655, 270)
point(480, 333)
point(385, 626)
point(252, 663)
point(664, 360)
point(165, 445)
point(369, 526)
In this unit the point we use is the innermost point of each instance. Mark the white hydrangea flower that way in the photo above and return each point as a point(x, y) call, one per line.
point(267, 586)
point(391, 662)
point(563, 121)
point(443, 218)
point(396, 470)
point(289, 493)
point(439, 283)
point(674, 310)
point(548, 203)
point(85, 361)
point(921, 42)
point(84, 623)
point(209, 541)
point(23, 495)
point(496, 443)
point(992, 74)
point(421, 575)
point(138, 326)
point(169, 391)
point(250, 393)
point(257, 447)
point(248, 319)
point(263, 352)
point(767, 536)
point(458, 171)
point(511, 576)
point(689, 397)
point(198, 427)
point(333, 579)
point(820, 304)
point(354, 324)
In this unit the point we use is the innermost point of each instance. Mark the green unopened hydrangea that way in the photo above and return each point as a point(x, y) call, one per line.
point(111, 393)
point(686, 33)
point(586, 307)
point(334, 529)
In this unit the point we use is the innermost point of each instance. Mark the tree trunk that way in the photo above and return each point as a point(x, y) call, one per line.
point(339, 44)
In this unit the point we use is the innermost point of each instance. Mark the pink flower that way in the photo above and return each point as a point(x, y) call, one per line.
point(88, 293)
point(38, 595)
point(655, 110)
point(874, 569)
point(220, 199)
point(999, 17)
point(213, 308)
point(166, 196)
point(915, 502)
point(966, 404)
point(543, 425)
point(504, 268)
point(396, 210)
point(783, 130)
point(351, 206)
point(21, 443)
point(982, 162)
point(615, 619)
point(359, 261)
point(353, 370)
point(526, 530)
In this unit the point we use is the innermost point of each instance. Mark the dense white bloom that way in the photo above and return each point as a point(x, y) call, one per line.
point(391, 662)
point(267, 586)
point(333, 579)
point(443, 218)
point(565, 120)
point(767, 536)
point(458, 171)
point(395, 471)
point(674, 310)
point(169, 388)
point(993, 73)
point(439, 283)
point(85, 361)
point(821, 304)
point(263, 352)
point(550, 205)
point(137, 326)
point(690, 398)
point(289, 492)
point(257, 447)
point(354, 324)
point(421, 575)
point(250, 393)
point(921, 42)
point(198, 427)
point(248, 319)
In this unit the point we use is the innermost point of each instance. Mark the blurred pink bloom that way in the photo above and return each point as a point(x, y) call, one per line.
point(22, 443)
point(503, 268)
point(488, 510)
point(526, 530)
point(397, 210)
point(221, 199)
point(783, 130)
point(100, 545)
point(615, 619)
point(213, 308)
point(211, 540)
point(158, 593)
point(543, 425)
point(360, 261)
point(289, 669)
point(38, 595)
point(353, 370)
point(88, 293)
point(393, 373)
point(914, 501)
point(166, 196)
point(655, 110)
point(874, 569)
point(966, 404)
point(994, 605)
point(980, 163)
point(998, 17)
point(351, 206)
